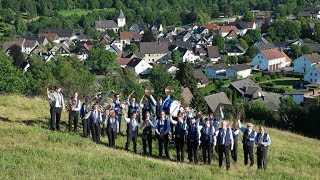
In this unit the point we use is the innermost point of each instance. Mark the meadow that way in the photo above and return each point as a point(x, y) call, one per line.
point(30, 151)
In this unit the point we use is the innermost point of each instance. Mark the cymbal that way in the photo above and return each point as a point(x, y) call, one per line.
point(169, 90)
point(149, 90)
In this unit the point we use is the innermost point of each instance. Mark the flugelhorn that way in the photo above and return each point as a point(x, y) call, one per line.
point(149, 90)
point(169, 90)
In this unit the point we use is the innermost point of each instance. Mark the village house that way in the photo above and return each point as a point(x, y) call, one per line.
point(215, 101)
point(154, 51)
point(104, 25)
point(246, 89)
point(216, 71)
point(305, 62)
point(271, 60)
point(299, 96)
point(139, 66)
point(239, 71)
point(313, 74)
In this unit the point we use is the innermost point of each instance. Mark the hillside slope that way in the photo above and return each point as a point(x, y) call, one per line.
point(29, 150)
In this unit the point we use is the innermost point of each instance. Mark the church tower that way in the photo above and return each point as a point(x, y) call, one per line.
point(121, 19)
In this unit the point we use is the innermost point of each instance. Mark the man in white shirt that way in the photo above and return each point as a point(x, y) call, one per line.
point(74, 106)
point(56, 107)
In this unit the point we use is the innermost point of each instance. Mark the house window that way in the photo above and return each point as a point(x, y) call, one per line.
point(304, 64)
point(311, 74)
point(310, 80)
point(315, 74)
point(260, 61)
point(315, 80)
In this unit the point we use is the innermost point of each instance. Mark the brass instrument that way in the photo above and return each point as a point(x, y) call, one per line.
point(146, 124)
point(149, 90)
point(70, 105)
point(169, 90)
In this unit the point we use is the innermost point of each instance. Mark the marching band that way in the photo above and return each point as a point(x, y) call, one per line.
point(169, 122)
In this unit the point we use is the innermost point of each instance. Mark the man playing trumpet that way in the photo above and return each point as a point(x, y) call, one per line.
point(73, 107)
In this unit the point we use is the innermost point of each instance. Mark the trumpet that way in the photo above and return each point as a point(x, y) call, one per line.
point(146, 124)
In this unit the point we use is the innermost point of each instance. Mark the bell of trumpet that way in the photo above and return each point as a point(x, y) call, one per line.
point(149, 90)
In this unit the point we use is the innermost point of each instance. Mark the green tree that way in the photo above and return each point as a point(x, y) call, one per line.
point(219, 41)
point(176, 57)
point(160, 79)
point(12, 79)
point(248, 16)
point(186, 77)
point(133, 47)
point(101, 61)
point(305, 49)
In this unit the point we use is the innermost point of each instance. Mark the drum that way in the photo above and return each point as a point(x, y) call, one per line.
point(171, 106)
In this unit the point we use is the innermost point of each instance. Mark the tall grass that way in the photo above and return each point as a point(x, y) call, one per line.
point(29, 150)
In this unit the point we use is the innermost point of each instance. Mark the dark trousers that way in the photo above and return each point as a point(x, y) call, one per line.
point(262, 157)
point(234, 152)
point(222, 149)
point(192, 148)
point(103, 130)
point(180, 148)
point(164, 142)
point(132, 136)
point(55, 118)
point(96, 131)
point(147, 138)
point(86, 127)
point(112, 135)
point(172, 131)
point(206, 151)
point(73, 116)
point(248, 151)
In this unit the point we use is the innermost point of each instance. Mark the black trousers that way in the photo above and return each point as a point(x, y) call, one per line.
point(104, 130)
point(234, 153)
point(147, 138)
point(96, 132)
point(86, 127)
point(164, 142)
point(222, 149)
point(248, 151)
point(55, 118)
point(192, 148)
point(262, 157)
point(172, 131)
point(132, 136)
point(206, 151)
point(112, 135)
point(73, 117)
point(180, 148)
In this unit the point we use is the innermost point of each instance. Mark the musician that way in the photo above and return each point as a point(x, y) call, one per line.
point(188, 115)
point(199, 118)
point(193, 140)
point(56, 107)
point(235, 133)
point(248, 140)
point(262, 140)
point(96, 121)
point(146, 127)
point(132, 131)
point(146, 106)
point(117, 107)
point(74, 106)
point(207, 138)
point(216, 119)
point(180, 132)
point(162, 128)
point(133, 106)
point(112, 128)
point(158, 104)
point(224, 143)
point(85, 108)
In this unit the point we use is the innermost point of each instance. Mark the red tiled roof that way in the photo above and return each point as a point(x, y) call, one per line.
point(127, 35)
point(124, 61)
point(271, 54)
point(51, 36)
point(210, 26)
point(226, 29)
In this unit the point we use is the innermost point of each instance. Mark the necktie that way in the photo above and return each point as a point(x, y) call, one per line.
point(222, 136)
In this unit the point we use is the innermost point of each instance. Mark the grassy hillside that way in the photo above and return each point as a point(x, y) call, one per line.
point(29, 150)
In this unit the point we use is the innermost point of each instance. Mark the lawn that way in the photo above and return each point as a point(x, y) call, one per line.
point(283, 82)
point(30, 151)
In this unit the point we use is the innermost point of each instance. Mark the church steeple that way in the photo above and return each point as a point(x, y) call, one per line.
point(121, 19)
